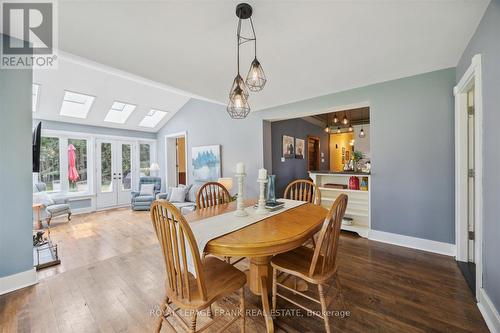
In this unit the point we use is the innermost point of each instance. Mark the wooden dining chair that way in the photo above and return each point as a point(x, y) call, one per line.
point(214, 278)
point(212, 194)
point(316, 266)
point(303, 190)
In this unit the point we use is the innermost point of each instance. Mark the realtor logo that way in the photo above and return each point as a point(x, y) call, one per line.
point(28, 34)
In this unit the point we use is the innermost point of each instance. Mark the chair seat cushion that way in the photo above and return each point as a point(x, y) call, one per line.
point(298, 261)
point(54, 209)
point(220, 279)
point(144, 198)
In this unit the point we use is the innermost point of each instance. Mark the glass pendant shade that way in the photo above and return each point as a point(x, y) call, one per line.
point(256, 79)
point(327, 129)
point(345, 121)
point(240, 84)
point(362, 134)
point(350, 128)
point(238, 107)
point(335, 119)
point(338, 130)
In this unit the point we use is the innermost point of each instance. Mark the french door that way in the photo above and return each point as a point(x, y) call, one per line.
point(115, 174)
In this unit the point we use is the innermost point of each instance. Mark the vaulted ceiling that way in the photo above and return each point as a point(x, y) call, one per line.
point(307, 48)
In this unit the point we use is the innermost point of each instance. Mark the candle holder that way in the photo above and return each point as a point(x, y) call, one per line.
point(240, 206)
point(261, 206)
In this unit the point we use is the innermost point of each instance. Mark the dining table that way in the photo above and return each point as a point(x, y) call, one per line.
point(260, 241)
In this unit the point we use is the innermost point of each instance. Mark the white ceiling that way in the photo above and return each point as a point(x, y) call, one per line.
point(107, 85)
point(307, 48)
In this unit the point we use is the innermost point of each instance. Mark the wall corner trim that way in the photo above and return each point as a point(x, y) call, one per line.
point(489, 312)
point(17, 281)
point(413, 242)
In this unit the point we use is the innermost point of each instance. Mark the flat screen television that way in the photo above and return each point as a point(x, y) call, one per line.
point(37, 137)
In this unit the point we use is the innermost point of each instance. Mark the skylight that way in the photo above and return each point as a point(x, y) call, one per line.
point(153, 118)
point(119, 112)
point(76, 105)
point(34, 99)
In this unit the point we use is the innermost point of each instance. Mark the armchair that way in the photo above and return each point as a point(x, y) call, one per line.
point(144, 201)
point(53, 206)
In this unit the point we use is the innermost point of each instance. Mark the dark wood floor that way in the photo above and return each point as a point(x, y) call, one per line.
point(111, 280)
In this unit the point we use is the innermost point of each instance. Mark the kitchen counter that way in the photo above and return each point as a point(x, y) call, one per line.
point(347, 173)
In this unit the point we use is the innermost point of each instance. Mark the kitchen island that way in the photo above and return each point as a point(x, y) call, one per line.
point(331, 184)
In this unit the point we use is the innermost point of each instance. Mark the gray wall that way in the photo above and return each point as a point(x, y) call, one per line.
point(412, 146)
point(209, 124)
point(486, 41)
point(294, 168)
point(70, 127)
point(16, 253)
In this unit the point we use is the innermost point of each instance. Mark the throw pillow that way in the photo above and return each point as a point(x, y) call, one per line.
point(178, 195)
point(192, 193)
point(43, 198)
point(147, 190)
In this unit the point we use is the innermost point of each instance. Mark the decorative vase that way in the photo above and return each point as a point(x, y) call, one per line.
point(354, 183)
point(271, 191)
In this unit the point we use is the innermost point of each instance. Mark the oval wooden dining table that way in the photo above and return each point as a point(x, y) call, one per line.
point(260, 241)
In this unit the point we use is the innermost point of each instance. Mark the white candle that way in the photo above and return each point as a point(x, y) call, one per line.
point(262, 173)
point(240, 168)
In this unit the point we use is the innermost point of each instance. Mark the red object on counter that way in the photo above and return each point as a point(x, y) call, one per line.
point(354, 183)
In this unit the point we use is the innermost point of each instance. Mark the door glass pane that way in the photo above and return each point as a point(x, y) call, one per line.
point(126, 167)
point(106, 178)
point(471, 165)
point(145, 159)
point(77, 165)
point(49, 164)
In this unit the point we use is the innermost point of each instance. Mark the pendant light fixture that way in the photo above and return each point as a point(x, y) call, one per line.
point(362, 133)
point(338, 130)
point(335, 119)
point(238, 107)
point(345, 121)
point(327, 129)
point(350, 128)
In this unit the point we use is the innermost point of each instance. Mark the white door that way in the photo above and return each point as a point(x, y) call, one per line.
point(114, 172)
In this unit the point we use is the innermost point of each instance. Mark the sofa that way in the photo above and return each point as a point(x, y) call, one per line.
point(140, 199)
point(189, 203)
point(53, 205)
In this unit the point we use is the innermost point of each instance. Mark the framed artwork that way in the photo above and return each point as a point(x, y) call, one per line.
point(206, 163)
point(300, 145)
point(288, 146)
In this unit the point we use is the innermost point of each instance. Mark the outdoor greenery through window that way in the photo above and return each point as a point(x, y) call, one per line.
point(77, 165)
point(145, 159)
point(50, 172)
point(106, 181)
point(126, 167)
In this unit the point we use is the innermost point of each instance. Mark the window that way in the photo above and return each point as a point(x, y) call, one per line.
point(77, 177)
point(106, 181)
point(144, 159)
point(153, 118)
point(119, 112)
point(34, 99)
point(126, 167)
point(50, 172)
point(76, 105)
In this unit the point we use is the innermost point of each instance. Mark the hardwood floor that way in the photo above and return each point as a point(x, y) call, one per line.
point(112, 274)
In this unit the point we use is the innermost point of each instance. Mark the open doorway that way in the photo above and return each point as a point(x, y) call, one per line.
point(175, 159)
point(313, 153)
point(468, 175)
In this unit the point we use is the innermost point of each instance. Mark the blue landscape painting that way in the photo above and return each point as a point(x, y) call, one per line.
point(205, 162)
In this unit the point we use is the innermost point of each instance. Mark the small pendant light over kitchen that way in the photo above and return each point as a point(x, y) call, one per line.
point(338, 130)
point(362, 133)
point(345, 121)
point(350, 128)
point(335, 119)
point(238, 107)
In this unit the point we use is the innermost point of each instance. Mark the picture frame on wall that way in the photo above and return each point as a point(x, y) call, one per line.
point(300, 146)
point(206, 163)
point(288, 146)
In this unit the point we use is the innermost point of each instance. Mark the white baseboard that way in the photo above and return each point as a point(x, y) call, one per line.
point(17, 281)
point(412, 242)
point(489, 312)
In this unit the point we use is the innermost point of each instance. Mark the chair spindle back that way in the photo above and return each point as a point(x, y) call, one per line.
point(328, 240)
point(212, 194)
point(303, 190)
point(175, 236)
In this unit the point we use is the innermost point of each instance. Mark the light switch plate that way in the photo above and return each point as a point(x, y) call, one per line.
point(322, 160)
point(282, 159)
point(322, 154)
